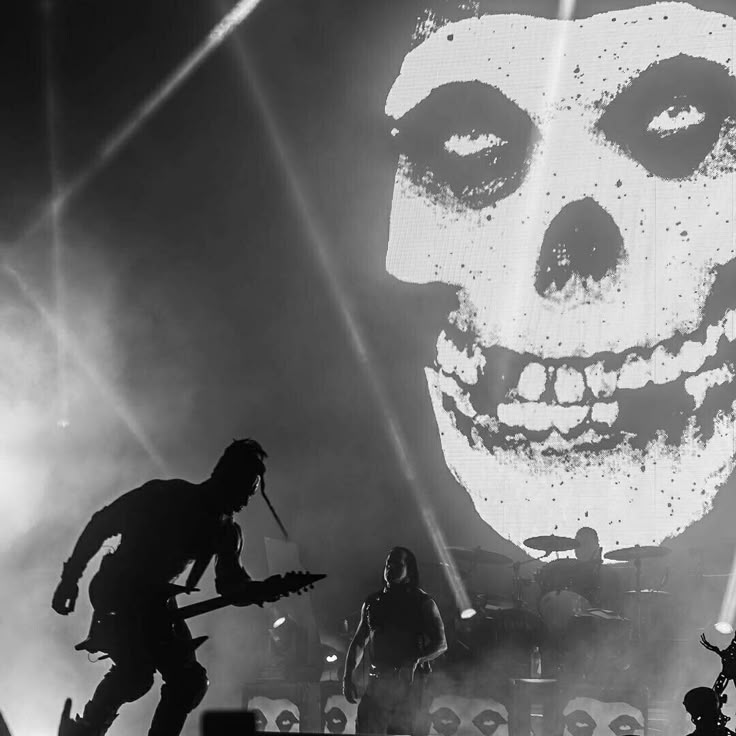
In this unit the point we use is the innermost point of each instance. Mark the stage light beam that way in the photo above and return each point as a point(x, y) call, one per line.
point(727, 616)
point(317, 241)
point(55, 221)
point(123, 133)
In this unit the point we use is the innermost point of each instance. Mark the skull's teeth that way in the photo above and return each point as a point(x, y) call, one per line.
point(697, 386)
point(466, 365)
point(539, 417)
point(604, 412)
point(569, 385)
point(532, 382)
point(601, 382)
point(564, 388)
point(660, 367)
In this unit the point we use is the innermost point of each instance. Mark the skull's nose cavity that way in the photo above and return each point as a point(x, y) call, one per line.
point(582, 241)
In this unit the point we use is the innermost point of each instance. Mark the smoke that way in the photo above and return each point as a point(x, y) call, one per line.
point(64, 451)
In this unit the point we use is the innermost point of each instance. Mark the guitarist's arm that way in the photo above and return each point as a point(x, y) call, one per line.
point(198, 569)
point(355, 652)
point(105, 523)
point(433, 641)
point(230, 575)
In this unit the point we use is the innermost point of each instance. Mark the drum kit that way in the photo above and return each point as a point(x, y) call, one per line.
point(557, 608)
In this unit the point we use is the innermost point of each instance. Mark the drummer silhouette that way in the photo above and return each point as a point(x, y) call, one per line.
point(590, 558)
point(589, 548)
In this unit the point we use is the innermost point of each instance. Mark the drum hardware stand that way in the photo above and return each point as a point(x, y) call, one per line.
point(517, 582)
point(636, 553)
point(636, 634)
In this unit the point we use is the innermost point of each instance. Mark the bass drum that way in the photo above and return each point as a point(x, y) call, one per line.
point(558, 609)
point(561, 594)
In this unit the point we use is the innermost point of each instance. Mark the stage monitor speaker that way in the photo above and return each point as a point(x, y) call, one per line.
point(227, 723)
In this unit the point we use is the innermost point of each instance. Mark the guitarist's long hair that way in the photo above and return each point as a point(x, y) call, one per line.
point(412, 568)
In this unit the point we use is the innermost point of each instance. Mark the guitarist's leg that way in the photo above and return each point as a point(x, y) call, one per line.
point(373, 713)
point(129, 678)
point(185, 684)
point(125, 682)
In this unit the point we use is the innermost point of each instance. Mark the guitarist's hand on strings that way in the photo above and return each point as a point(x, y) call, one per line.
point(255, 592)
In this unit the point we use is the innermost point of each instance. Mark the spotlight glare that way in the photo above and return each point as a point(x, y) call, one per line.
point(279, 622)
point(467, 613)
point(728, 604)
point(566, 9)
point(331, 658)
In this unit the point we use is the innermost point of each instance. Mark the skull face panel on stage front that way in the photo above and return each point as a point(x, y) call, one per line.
point(573, 180)
point(339, 715)
point(274, 714)
point(590, 717)
point(454, 715)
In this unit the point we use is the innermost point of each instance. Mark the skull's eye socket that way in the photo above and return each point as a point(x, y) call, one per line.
point(579, 723)
point(466, 140)
point(625, 725)
point(671, 117)
point(488, 721)
point(445, 721)
point(285, 721)
point(335, 720)
point(260, 719)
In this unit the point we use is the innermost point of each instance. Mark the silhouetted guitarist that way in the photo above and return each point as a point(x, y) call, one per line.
point(164, 525)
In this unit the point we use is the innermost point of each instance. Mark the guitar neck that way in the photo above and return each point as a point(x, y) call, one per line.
point(196, 609)
point(260, 592)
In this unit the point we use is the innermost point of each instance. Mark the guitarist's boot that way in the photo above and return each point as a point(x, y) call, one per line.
point(81, 726)
point(93, 722)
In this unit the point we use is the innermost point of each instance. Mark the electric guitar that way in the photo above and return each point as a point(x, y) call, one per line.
point(106, 636)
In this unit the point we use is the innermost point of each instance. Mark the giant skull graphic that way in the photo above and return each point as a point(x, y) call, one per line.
point(591, 717)
point(574, 181)
point(454, 715)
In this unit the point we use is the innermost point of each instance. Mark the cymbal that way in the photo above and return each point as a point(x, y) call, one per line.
point(490, 601)
point(551, 543)
point(478, 556)
point(646, 593)
point(636, 552)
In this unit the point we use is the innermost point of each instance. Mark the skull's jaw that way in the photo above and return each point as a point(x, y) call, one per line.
point(544, 454)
